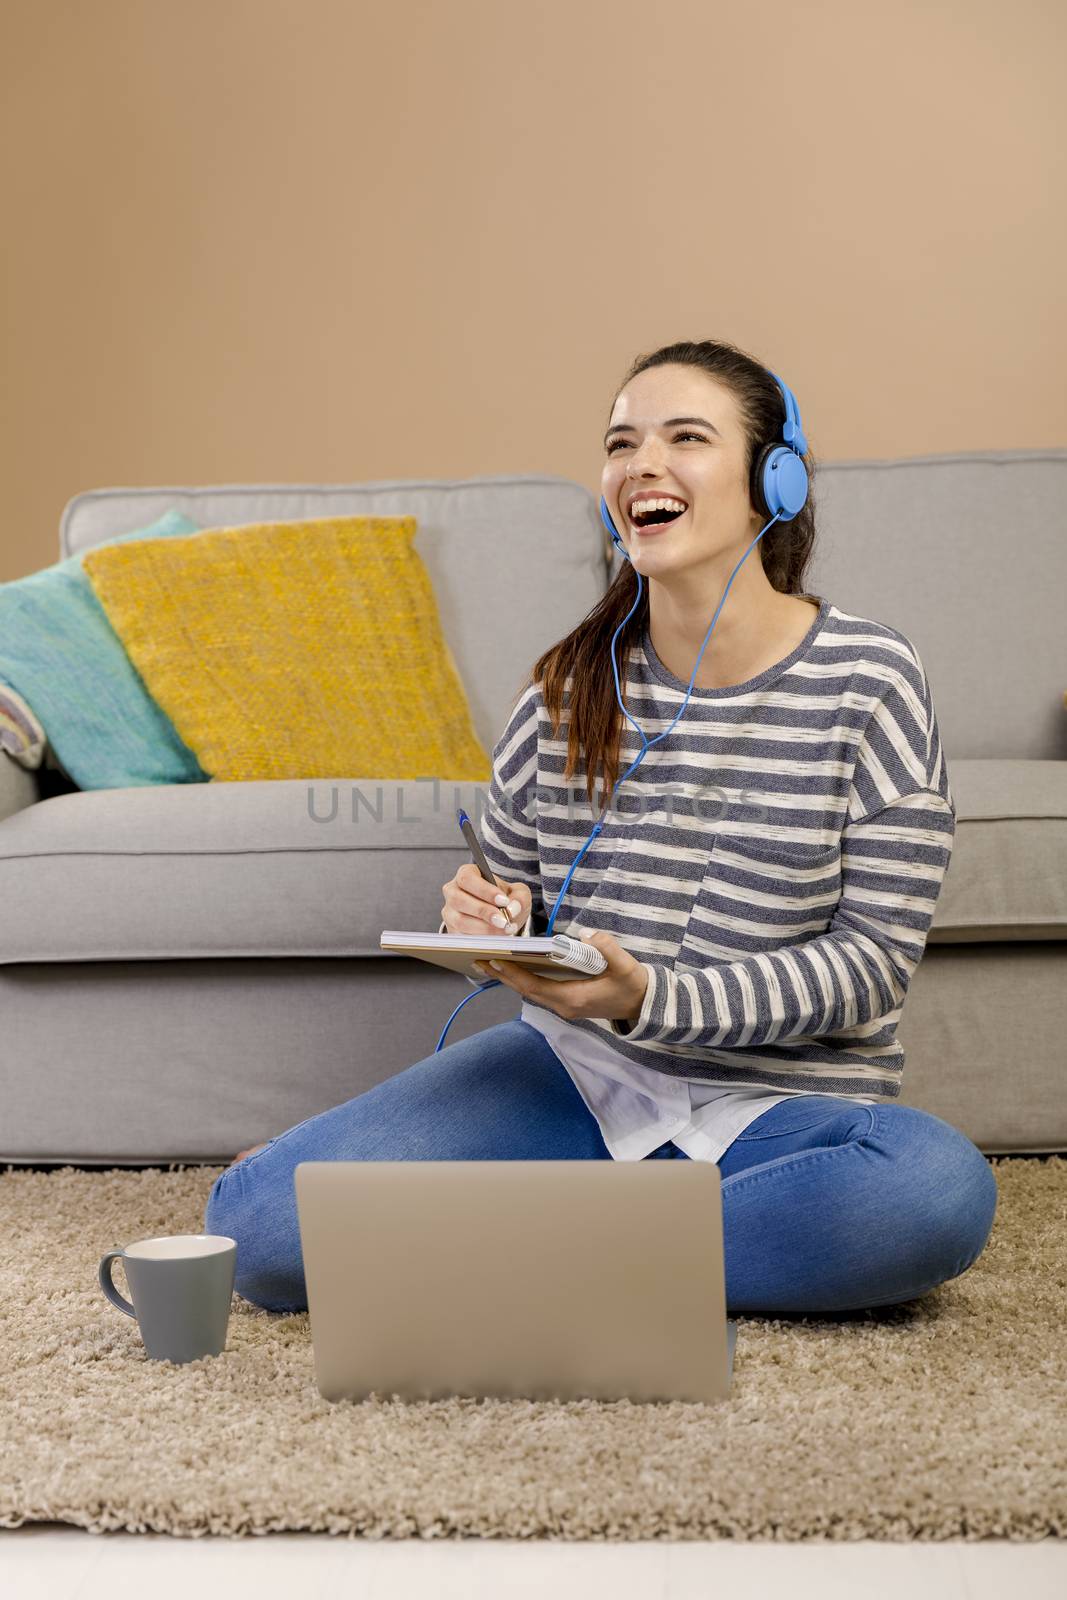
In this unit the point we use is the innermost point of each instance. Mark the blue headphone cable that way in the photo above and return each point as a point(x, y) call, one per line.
point(779, 490)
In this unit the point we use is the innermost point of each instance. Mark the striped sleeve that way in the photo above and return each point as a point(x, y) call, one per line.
point(901, 747)
point(895, 850)
point(892, 866)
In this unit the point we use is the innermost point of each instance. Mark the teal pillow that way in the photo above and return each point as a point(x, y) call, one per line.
point(60, 652)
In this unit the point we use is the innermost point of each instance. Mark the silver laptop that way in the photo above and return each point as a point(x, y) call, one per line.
point(523, 1279)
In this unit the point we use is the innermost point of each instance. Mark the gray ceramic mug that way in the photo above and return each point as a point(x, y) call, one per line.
point(182, 1287)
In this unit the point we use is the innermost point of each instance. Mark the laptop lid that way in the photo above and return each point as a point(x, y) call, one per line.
point(523, 1279)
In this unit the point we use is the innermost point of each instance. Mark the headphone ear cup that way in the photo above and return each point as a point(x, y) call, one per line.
point(757, 489)
point(781, 479)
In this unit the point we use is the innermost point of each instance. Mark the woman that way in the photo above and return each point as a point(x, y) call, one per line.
point(762, 887)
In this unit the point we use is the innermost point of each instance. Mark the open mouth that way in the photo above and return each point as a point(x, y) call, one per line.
point(656, 521)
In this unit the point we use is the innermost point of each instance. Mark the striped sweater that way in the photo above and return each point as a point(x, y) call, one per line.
point(773, 863)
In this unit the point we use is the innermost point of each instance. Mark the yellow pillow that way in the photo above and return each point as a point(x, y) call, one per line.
point(294, 649)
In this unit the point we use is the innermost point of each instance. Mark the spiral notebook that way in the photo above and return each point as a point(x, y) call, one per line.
point(559, 956)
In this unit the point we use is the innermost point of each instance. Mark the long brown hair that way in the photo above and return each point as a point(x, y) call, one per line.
point(584, 655)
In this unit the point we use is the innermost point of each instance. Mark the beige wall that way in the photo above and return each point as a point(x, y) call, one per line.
point(304, 240)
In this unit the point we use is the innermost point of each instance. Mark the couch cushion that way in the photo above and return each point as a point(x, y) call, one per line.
point(966, 554)
point(319, 868)
point(60, 652)
point(287, 867)
point(21, 734)
point(1007, 878)
point(294, 649)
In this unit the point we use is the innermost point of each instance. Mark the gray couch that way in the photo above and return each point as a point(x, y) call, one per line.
point(187, 970)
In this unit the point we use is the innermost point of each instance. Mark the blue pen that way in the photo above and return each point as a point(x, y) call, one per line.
point(477, 852)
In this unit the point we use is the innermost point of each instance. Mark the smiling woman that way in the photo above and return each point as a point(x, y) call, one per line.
point(757, 960)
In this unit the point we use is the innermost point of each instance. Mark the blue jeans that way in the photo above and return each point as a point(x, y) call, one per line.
point(827, 1206)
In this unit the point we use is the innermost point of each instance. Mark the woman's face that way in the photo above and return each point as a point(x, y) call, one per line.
point(700, 462)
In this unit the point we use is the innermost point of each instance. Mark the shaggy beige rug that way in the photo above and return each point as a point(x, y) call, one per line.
point(941, 1419)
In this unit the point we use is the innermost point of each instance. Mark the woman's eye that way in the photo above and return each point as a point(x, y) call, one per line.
point(698, 436)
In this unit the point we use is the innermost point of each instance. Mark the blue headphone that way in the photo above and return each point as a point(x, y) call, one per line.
point(779, 490)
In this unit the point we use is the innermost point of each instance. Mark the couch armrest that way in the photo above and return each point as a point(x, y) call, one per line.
point(18, 786)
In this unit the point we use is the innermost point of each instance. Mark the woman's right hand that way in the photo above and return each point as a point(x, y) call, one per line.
point(470, 904)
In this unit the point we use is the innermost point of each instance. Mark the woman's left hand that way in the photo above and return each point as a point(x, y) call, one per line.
point(617, 993)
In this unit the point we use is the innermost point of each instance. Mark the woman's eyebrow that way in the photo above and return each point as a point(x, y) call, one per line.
point(625, 427)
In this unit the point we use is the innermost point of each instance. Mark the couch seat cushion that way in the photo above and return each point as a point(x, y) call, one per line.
point(1007, 878)
point(320, 867)
point(282, 867)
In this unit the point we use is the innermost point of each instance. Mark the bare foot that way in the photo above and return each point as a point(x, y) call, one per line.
point(243, 1153)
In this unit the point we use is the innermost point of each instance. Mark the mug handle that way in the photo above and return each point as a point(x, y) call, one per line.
point(108, 1285)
